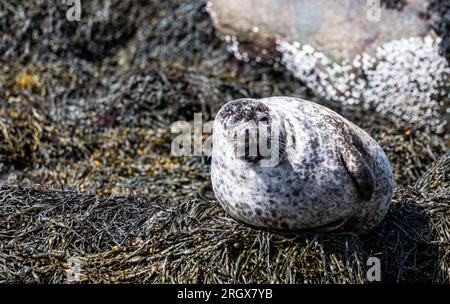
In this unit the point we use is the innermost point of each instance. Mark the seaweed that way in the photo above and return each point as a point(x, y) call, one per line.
point(64, 236)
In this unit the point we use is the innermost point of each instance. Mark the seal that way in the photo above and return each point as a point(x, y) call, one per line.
point(328, 172)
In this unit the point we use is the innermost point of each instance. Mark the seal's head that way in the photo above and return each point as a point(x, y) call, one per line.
point(252, 129)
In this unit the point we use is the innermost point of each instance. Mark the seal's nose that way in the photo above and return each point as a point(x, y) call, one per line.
point(249, 147)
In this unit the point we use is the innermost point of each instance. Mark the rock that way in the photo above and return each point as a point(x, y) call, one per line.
point(341, 29)
point(339, 51)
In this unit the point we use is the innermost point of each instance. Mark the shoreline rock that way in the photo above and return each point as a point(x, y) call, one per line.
point(340, 29)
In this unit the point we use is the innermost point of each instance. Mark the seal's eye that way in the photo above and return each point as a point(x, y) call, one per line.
point(264, 119)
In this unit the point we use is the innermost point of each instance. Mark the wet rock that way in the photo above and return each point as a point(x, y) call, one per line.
point(340, 29)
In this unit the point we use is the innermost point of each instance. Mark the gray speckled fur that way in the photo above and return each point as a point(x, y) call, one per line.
point(334, 173)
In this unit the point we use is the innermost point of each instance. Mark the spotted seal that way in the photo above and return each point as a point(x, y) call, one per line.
point(329, 172)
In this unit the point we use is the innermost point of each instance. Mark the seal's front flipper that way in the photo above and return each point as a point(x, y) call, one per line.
point(359, 170)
